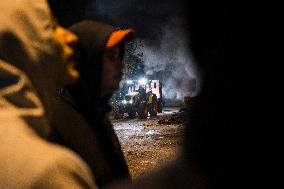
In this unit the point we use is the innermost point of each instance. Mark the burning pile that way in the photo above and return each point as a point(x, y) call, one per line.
point(176, 118)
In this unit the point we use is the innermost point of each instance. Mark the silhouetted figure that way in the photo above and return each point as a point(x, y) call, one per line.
point(82, 121)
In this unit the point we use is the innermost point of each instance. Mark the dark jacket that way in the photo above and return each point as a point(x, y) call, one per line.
point(82, 112)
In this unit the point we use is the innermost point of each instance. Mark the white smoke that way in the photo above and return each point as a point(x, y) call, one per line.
point(172, 58)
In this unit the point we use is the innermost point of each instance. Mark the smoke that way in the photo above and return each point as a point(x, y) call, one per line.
point(162, 40)
point(171, 61)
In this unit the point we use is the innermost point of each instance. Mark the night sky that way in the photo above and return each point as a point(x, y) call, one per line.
point(146, 16)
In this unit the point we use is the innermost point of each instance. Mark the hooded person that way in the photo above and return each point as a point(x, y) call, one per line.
point(82, 109)
point(32, 62)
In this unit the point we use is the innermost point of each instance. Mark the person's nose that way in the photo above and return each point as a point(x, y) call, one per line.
point(70, 37)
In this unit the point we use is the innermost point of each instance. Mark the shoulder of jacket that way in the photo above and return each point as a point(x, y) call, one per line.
point(65, 170)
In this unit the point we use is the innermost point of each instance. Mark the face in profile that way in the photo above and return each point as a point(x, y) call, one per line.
point(112, 69)
point(66, 40)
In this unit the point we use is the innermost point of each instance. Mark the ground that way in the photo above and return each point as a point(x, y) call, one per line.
point(146, 144)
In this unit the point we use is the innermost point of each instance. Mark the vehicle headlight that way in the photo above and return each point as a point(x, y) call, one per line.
point(131, 101)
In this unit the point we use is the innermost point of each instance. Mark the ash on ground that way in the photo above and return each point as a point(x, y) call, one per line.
point(148, 145)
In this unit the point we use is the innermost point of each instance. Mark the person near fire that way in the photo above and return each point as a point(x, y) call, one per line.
point(35, 56)
point(82, 121)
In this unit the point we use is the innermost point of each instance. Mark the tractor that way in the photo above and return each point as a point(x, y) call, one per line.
point(143, 98)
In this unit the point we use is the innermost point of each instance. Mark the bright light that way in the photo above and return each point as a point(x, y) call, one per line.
point(142, 81)
point(124, 101)
point(131, 101)
point(129, 82)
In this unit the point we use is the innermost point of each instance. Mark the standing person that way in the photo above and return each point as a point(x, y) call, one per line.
point(35, 55)
point(143, 112)
point(82, 121)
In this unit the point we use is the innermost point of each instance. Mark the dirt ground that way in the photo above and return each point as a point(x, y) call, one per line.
point(148, 145)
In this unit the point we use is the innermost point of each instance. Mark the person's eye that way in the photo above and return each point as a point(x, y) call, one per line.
point(54, 23)
point(109, 56)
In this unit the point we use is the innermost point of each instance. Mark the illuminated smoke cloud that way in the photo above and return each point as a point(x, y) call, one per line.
point(171, 61)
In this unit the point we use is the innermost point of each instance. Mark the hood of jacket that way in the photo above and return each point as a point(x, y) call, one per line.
point(29, 61)
point(93, 37)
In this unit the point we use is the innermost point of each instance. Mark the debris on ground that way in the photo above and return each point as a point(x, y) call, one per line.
point(176, 118)
point(147, 125)
point(151, 132)
point(148, 145)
